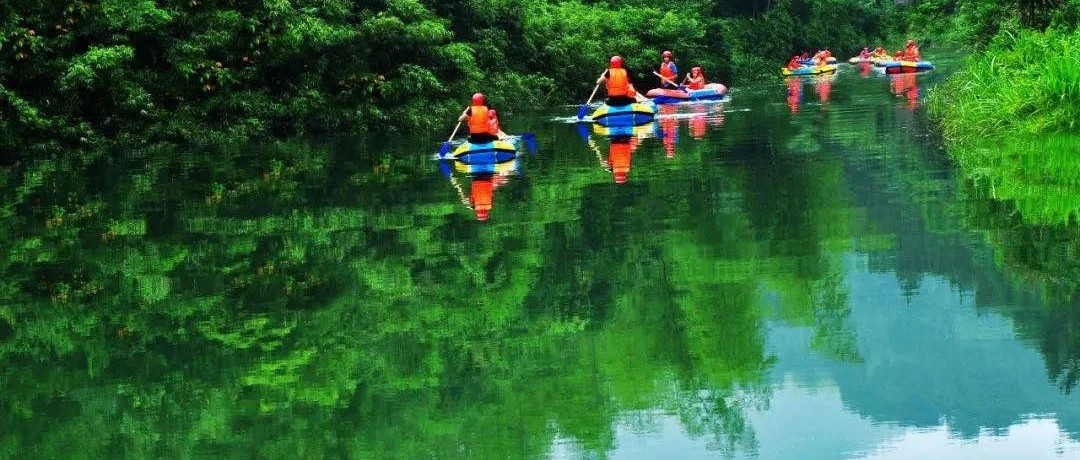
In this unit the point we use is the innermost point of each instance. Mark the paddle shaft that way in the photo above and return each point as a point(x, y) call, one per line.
point(594, 89)
point(456, 128)
point(665, 78)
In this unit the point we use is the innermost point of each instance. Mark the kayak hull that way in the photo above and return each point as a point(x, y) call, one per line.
point(624, 131)
point(907, 66)
point(635, 114)
point(487, 153)
point(711, 91)
point(809, 70)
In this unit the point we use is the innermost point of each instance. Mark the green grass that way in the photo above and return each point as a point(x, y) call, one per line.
point(1025, 84)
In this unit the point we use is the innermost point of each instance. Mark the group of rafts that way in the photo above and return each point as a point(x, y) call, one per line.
point(907, 60)
point(489, 154)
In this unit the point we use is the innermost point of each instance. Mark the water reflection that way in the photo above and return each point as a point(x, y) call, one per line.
point(906, 85)
point(792, 287)
point(622, 143)
point(699, 117)
point(822, 87)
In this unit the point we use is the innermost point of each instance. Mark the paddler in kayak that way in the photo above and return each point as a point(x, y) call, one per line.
point(493, 125)
point(911, 51)
point(668, 71)
point(479, 121)
point(795, 62)
point(865, 53)
point(695, 79)
point(620, 91)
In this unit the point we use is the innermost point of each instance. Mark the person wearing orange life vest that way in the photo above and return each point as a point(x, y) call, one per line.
point(695, 78)
point(493, 124)
point(795, 62)
point(668, 70)
point(479, 122)
point(911, 51)
point(620, 91)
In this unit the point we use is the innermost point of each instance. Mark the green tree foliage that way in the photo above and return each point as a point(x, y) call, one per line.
point(80, 71)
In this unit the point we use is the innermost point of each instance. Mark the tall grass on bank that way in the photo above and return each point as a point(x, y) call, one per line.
point(1026, 83)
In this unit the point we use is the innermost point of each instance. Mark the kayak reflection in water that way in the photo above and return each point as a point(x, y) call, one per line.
point(794, 93)
point(620, 153)
point(823, 86)
point(906, 85)
point(484, 179)
point(670, 127)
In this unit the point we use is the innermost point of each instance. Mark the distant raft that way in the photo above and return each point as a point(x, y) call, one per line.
point(711, 91)
point(907, 66)
point(634, 114)
point(809, 70)
point(810, 61)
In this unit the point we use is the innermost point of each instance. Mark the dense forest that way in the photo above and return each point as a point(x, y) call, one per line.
point(78, 72)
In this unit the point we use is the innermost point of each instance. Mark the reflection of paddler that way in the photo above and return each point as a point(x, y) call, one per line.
point(824, 88)
point(699, 123)
point(480, 195)
point(670, 127)
point(619, 153)
point(794, 93)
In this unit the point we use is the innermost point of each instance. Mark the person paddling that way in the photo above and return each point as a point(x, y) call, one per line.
point(795, 62)
point(478, 118)
point(695, 79)
point(911, 51)
point(668, 71)
point(620, 91)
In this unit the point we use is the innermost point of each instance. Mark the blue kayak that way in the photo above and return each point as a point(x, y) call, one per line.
point(906, 66)
point(635, 114)
point(488, 153)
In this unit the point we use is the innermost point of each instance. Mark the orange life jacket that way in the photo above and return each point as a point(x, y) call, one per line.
point(481, 193)
point(619, 156)
point(618, 83)
point(696, 83)
point(478, 119)
point(665, 70)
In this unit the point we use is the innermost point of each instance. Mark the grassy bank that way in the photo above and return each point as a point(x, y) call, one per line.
point(1027, 83)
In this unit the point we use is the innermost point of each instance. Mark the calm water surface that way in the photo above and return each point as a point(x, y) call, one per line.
point(798, 272)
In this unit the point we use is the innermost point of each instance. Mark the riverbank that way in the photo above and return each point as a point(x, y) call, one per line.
point(1007, 119)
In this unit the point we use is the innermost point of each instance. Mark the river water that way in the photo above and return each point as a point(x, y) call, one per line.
point(798, 271)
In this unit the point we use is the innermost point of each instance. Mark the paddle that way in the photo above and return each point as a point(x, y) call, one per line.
point(445, 148)
point(678, 86)
point(585, 107)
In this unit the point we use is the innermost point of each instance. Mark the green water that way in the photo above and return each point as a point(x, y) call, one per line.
point(798, 272)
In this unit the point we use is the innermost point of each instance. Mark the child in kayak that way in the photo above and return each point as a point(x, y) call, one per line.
point(493, 124)
point(477, 115)
point(668, 70)
point(695, 78)
point(795, 62)
point(911, 51)
point(620, 91)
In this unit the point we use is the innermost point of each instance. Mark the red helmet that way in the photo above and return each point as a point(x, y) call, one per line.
point(911, 42)
point(482, 214)
point(620, 177)
point(492, 113)
point(696, 69)
point(616, 62)
point(478, 99)
point(667, 54)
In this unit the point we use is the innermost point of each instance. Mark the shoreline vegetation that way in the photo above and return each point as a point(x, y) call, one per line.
point(77, 73)
point(1009, 117)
